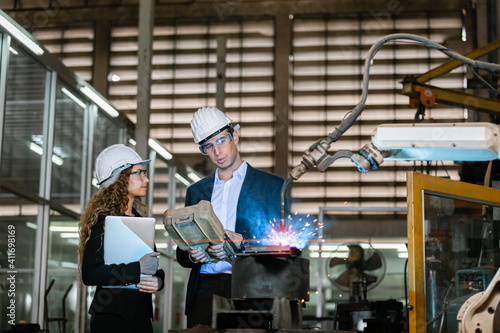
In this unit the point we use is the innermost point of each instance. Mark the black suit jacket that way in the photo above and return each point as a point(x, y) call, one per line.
point(123, 302)
point(258, 203)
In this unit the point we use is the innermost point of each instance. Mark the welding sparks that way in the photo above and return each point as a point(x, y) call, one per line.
point(300, 229)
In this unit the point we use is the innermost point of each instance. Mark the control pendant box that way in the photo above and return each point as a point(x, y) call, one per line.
point(197, 227)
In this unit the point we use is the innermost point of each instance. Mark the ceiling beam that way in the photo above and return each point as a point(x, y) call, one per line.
point(222, 10)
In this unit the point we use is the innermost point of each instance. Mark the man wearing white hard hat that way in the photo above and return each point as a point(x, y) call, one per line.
point(241, 197)
point(123, 181)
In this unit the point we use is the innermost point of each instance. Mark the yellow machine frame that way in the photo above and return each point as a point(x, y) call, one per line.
point(418, 91)
point(417, 185)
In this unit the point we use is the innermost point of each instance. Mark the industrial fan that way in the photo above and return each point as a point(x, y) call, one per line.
point(362, 270)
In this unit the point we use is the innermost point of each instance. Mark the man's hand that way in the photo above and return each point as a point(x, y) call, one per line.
point(217, 251)
point(234, 237)
point(198, 256)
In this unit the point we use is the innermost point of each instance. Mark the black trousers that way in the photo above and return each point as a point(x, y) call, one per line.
point(109, 322)
point(208, 285)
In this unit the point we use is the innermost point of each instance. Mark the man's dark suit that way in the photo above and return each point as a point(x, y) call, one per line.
point(258, 203)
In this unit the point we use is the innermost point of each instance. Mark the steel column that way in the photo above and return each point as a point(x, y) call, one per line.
point(146, 23)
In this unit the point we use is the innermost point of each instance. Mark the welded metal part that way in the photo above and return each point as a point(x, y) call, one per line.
point(268, 276)
point(275, 250)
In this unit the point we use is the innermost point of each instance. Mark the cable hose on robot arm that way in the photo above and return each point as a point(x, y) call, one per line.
point(351, 116)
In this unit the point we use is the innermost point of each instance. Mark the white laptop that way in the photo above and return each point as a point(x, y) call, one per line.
point(127, 239)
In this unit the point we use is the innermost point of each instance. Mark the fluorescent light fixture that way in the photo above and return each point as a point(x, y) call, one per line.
point(64, 229)
point(159, 227)
point(182, 179)
point(13, 51)
point(161, 245)
point(36, 148)
point(20, 36)
point(39, 150)
point(342, 248)
point(329, 254)
point(31, 225)
point(67, 264)
point(399, 247)
point(99, 101)
point(69, 235)
point(390, 246)
point(73, 241)
point(193, 176)
point(159, 148)
point(57, 160)
point(132, 142)
point(74, 98)
point(114, 78)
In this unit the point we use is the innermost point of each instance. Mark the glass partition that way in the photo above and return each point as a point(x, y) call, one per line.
point(17, 253)
point(180, 278)
point(39, 228)
point(161, 184)
point(453, 248)
point(62, 269)
point(158, 185)
point(179, 274)
point(460, 255)
point(106, 133)
point(67, 177)
point(23, 123)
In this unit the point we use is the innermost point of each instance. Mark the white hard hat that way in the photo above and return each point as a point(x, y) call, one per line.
point(112, 160)
point(208, 122)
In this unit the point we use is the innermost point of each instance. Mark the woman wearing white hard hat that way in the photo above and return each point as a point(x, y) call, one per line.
point(123, 181)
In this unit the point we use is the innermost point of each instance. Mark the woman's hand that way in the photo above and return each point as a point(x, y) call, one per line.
point(149, 263)
point(148, 284)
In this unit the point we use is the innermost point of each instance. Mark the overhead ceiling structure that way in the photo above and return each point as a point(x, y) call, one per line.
point(292, 71)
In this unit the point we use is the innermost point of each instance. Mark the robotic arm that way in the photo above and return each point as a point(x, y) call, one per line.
point(445, 142)
point(406, 142)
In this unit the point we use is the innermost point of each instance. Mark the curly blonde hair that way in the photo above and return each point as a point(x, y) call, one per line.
point(111, 200)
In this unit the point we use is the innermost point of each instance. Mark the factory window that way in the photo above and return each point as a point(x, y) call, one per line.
point(72, 44)
point(67, 155)
point(24, 118)
point(184, 79)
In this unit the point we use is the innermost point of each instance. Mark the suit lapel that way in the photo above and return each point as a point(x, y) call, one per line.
point(242, 200)
point(245, 187)
point(209, 187)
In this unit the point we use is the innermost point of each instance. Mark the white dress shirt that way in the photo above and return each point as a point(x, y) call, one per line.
point(224, 202)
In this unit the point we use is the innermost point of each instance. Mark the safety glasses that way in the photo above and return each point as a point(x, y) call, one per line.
point(140, 174)
point(220, 142)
